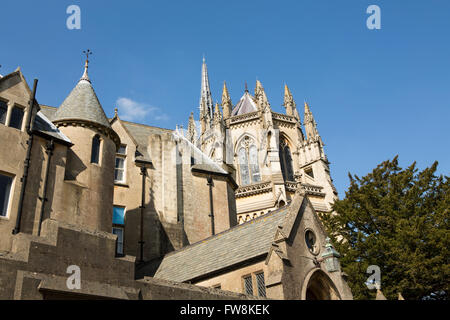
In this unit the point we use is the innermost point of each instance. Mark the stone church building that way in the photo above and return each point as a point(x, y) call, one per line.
point(226, 209)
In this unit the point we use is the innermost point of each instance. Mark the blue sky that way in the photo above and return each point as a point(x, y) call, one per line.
point(374, 93)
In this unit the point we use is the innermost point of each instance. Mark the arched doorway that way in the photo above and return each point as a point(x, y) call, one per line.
point(320, 287)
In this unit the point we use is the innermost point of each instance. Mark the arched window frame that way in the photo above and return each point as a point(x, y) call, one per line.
point(95, 149)
point(249, 170)
point(286, 160)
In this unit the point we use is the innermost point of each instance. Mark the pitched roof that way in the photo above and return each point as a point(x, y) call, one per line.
point(44, 125)
point(41, 122)
point(209, 167)
point(238, 244)
point(245, 105)
point(201, 161)
point(82, 104)
point(48, 111)
point(140, 133)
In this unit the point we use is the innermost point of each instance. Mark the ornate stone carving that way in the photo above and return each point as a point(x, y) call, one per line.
point(244, 117)
point(253, 189)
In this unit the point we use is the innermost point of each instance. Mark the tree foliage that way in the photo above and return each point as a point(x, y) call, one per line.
point(397, 219)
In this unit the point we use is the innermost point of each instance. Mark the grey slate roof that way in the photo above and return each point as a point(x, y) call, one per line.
point(140, 133)
point(238, 244)
point(82, 104)
point(41, 122)
point(48, 111)
point(201, 160)
point(245, 105)
point(209, 168)
point(44, 125)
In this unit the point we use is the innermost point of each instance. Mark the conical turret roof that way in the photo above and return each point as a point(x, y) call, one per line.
point(82, 104)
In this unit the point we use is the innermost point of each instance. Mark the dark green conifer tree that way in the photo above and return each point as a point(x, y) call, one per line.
point(397, 219)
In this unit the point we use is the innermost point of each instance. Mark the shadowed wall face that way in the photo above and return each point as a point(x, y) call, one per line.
point(88, 189)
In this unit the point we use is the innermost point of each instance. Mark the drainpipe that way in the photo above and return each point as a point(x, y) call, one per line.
point(49, 151)
point(210, 184)
point(142, 207)
point(27, 159)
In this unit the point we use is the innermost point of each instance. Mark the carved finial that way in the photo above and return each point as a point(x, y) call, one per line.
point(246, 87)
point(227, 106)
point(289, 102)
point(116, 112)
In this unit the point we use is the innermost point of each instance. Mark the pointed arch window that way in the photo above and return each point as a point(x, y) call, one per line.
point(248, 162)
point(243, 166)
point(254, 165)
point(95, 153)
point(286, 161)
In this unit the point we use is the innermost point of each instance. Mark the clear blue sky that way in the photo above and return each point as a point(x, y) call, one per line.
point(374, 93)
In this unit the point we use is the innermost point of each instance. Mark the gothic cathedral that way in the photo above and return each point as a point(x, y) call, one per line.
point(269, 154)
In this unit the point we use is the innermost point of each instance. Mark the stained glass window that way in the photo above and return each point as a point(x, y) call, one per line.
point(254, 166)
point(248, 162)
point(286, 161)
point(243, 165)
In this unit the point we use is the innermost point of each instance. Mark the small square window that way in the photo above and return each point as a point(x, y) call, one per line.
point(16, 118)
point(5, 190)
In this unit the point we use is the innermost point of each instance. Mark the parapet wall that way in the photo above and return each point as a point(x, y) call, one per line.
point(37, 268)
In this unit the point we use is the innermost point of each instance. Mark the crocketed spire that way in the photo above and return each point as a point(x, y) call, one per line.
point(205, 93)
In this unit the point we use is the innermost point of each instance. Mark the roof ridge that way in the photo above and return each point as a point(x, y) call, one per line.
point(145, 125)
point(236, 227)
point(46, 106)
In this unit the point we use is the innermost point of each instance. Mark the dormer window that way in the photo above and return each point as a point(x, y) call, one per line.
point(16, 117)
point(95, 153)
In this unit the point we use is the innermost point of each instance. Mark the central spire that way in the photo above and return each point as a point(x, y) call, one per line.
point(205, 92)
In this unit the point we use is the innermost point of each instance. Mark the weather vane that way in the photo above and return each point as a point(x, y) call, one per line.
point(87, 52)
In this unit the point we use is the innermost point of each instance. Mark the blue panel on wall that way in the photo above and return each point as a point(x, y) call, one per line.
point(118, 215)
